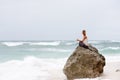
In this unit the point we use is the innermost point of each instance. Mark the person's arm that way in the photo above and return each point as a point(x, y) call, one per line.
point(85, 37)
point(78, 40)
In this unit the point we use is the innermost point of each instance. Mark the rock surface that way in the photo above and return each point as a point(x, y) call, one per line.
point(84, 63)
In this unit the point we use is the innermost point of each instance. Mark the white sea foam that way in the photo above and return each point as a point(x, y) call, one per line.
point(32, 68)
point(112, 58)
point(114, 48)
point(114, 41)
point(10, 44)
point(94, 42)
point(49, 49)
point(70, 43)
point(56, 43)
point(110, 48)
point(13, 43)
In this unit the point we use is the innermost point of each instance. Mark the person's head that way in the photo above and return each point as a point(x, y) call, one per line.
point(84, 32)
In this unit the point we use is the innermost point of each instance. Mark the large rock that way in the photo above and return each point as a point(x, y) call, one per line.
point(84, 63)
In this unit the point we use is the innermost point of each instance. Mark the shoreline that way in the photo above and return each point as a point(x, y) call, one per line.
point(51, 69)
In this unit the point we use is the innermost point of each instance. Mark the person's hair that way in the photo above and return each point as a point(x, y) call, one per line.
point(84, 32)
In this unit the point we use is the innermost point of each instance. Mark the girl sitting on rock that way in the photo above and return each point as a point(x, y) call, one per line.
point(84, 41)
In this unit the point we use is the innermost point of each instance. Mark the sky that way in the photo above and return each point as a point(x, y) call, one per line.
point(59, 19)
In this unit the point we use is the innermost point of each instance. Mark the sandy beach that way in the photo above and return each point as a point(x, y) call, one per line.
point(111, 72)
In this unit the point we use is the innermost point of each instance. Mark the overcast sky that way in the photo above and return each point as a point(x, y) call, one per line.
point(59, 19)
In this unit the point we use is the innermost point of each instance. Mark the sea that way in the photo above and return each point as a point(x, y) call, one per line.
point(44, 60)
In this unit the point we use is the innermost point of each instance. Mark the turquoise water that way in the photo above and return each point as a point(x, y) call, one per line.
point(12, 50)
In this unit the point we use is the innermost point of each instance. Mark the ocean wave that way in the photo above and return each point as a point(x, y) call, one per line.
point(110, 48)
point(112, 58)
point(94, 42)
point(10, 44)
point(13, 43)
point(115, 41)
point(32, 68)
point(49, 49)
point(70, 43)
point(56, 43)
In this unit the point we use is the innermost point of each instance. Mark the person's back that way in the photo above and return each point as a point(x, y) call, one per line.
point(86, 41)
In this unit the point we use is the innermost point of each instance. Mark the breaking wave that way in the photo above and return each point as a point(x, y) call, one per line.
point(56, 43)
point(13, 43)
point(111, 48)
point(32, 68)
point(10, 44)
point(49, 49)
